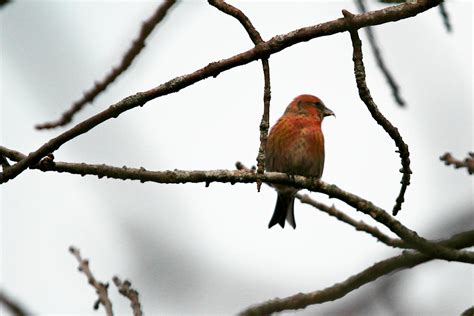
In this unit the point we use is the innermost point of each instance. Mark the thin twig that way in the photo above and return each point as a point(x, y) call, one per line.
point(358, 225)
point(99, 86)
point(262, 50)
point(392, 131)
point(445, 17)
point(404, 261)
point(125, 288)
point(12, 306)
point(256, 39)
point(100, 288)
point(232, 177)
point(379, 59)
point(467, 163)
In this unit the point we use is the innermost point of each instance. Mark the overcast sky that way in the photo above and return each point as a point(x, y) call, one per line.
point(195, 250)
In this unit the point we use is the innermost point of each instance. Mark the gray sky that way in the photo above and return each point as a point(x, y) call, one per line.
point(195, 250)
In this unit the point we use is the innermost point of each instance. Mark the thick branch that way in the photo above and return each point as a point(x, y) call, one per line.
point(99, 86)
point(392, 131)
point(467, 163)
point(226, 176)
point(100, 288)
point(264, 49)
point(338, 290)
point(256, 39)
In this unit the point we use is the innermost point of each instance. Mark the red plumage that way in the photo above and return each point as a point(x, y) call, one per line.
point(295, 146)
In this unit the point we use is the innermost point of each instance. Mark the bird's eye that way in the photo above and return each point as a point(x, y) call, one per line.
point(319, 105)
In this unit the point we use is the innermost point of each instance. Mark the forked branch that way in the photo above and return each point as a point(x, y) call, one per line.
point(256, 39)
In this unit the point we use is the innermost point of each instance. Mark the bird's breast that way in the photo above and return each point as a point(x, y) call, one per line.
point(296, 145)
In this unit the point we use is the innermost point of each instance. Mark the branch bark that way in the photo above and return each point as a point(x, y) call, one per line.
point(100, 288)
point(125, 288)
point(467, 163)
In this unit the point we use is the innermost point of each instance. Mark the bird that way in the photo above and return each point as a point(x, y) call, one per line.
point(295, 145)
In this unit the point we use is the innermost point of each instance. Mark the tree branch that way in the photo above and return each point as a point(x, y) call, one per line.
point(263, 49)
point(445, 17)
point(358, 225)
point(100, 288)
point(99, 86)
point(232, 177)
point(338, 290)
point(332, 211)
point(379, 60)
point(13, 307)
point(125, 288)
point(364, 93)
point(467, 163)
point(256, 39)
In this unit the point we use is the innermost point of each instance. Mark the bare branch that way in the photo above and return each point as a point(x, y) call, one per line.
point(392, 131)
point(12, 306)
point(445, 16)
point(99, 86)
point(262, 50)
point(240, 16)
point(232, 177)
point(379, 60)
point(125, 288)
point(256, 39)
point(358, 225)
point(332, 211)
point(338, 290)
point(100, 288)
point(467, 163)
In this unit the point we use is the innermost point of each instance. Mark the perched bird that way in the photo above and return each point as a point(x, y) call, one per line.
point(295, 146)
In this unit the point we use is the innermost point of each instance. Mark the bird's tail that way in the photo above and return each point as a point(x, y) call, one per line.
point(284, 209)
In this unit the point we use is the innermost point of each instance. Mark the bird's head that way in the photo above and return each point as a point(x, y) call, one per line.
point(309, 105)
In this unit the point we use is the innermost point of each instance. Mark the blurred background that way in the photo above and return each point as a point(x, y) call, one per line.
point(191, 250)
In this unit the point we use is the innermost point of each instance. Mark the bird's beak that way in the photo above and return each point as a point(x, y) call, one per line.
point(328, 112)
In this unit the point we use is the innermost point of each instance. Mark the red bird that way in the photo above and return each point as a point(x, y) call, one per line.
point(295, 146)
